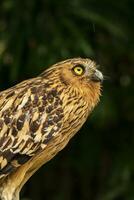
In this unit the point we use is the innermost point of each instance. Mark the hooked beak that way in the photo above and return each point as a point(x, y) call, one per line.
point(97, 76)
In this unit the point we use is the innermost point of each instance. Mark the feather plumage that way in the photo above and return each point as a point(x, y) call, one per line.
point(39, 116)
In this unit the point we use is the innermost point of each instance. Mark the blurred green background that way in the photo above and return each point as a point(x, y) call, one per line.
point(98, 164)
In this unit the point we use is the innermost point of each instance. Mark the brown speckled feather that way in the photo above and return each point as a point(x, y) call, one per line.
point(36, 111)
point(30, 115)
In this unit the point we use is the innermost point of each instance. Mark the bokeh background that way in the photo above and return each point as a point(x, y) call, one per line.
point(98, 164)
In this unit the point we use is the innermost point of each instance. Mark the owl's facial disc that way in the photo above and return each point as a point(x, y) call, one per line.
point(79, 72)
point(90, 73)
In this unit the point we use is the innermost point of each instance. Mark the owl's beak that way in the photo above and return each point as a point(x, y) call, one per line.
point(97, 76)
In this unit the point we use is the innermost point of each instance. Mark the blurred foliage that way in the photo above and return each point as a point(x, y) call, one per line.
point(98, 164)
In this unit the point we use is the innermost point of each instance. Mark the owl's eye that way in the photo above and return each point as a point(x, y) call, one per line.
point(78, 70)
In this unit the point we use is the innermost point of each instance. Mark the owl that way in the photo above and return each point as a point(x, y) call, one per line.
point(39, 116)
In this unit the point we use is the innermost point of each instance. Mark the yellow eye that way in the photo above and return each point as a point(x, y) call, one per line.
point(78, 70)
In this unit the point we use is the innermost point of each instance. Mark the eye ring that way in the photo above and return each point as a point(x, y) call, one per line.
point(78, 70)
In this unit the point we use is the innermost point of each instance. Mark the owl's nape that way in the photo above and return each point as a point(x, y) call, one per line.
point(39, 116)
